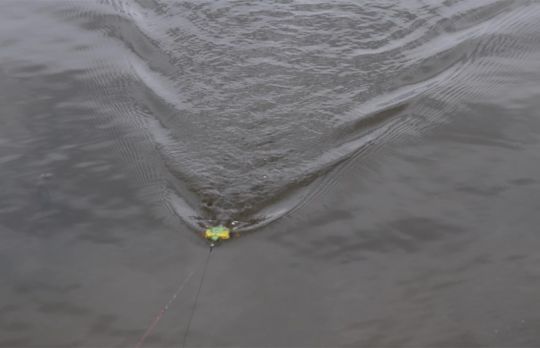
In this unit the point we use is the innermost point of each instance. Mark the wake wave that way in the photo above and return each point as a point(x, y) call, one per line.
point(231, 112)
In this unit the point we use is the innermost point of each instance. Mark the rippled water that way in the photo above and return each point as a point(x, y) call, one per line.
point(396, 140)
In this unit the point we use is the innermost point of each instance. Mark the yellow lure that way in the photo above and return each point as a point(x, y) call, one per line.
point(218, 233)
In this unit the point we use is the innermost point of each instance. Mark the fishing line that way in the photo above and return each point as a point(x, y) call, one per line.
point(162, 311)
point(196, 298)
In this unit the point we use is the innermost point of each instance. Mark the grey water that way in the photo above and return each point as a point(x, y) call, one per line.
point(380, 159)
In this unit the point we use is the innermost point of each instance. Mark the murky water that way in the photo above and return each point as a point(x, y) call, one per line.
point(394, 146)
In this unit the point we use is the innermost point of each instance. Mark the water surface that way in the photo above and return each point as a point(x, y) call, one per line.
point(392, 144)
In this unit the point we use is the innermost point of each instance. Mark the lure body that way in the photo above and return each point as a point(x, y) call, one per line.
point(218, 233)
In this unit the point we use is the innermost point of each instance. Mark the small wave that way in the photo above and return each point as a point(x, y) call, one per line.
point(234, 112)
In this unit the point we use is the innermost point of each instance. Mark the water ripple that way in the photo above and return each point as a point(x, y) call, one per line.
point(234, 110)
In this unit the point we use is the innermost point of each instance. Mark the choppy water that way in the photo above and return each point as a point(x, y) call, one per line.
point(398, 142)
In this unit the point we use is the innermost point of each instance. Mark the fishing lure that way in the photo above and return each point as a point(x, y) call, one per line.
point(218, 233)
